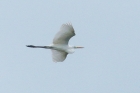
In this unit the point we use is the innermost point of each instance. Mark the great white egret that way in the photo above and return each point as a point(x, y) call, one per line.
point(60, 47)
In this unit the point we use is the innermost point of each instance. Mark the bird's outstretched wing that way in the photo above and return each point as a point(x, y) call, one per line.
point(58, 56)
point(65, 33)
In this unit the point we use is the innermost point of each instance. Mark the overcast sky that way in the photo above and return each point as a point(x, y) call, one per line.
point(108, 29)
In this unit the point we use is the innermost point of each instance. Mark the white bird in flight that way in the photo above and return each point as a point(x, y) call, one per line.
point(60, 47)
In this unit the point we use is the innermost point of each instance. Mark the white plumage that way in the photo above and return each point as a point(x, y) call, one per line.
point(63, 36)
point(60, 47)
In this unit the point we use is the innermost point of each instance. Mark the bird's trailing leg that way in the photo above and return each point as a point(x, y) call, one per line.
point(32, 46)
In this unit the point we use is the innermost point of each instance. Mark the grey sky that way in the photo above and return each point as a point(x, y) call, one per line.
point(108, 29)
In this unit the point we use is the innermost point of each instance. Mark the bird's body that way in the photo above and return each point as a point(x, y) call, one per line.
point(65, 48)
point(60, 47)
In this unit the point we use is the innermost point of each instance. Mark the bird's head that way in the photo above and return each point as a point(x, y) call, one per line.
point(78, 47)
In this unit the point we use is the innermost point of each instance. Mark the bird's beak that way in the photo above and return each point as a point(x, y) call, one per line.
point(79, 47)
